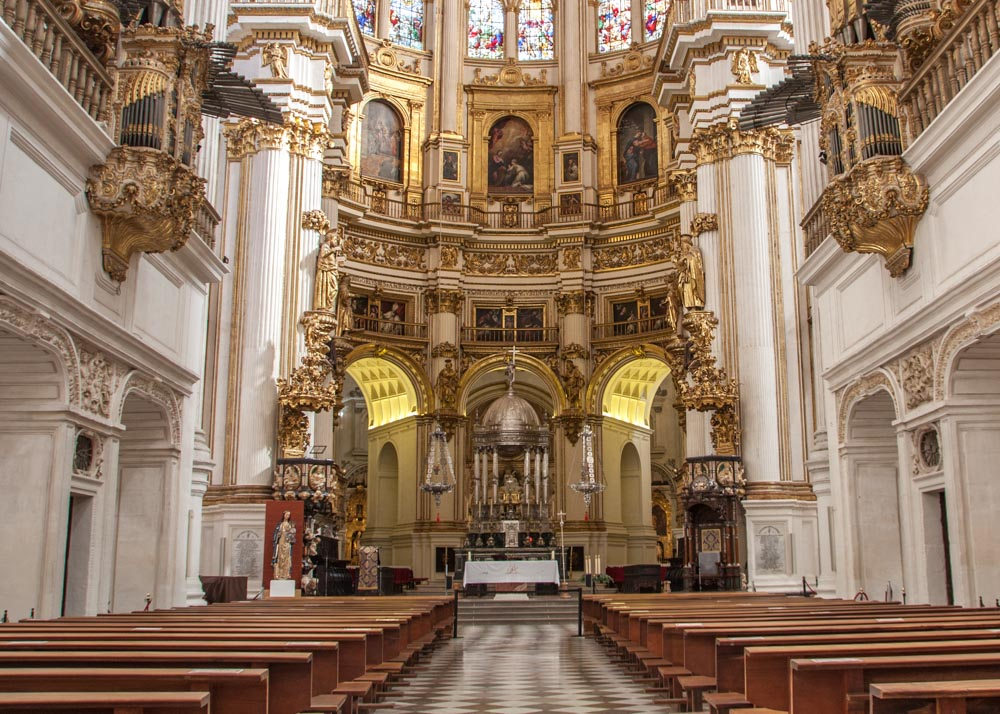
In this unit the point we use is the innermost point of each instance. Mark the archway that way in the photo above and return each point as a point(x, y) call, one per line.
point(383, 513)
point(873, 479)
point(144, 544)
point(631, 487)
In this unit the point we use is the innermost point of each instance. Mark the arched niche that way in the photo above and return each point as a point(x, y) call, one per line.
point(382, 148)
point(394, 387)
point(385, 505)
point(511, 156)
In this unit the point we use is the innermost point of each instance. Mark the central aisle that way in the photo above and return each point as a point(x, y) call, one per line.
point(522, 669)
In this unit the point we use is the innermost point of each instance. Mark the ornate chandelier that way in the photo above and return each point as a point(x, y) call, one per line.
point(440, 478)
point(588, 485)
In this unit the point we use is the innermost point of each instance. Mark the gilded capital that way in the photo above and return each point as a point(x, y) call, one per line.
point(685, 182)
point(578, 302)
point(443, 300)
point(724, 141)
point(703, 223)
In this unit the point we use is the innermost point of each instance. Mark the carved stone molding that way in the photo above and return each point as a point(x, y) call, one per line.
point(633, 61)
point(156, 392)
point(449, 256)
point(575, 350)
point(917, 372)
point(864, 387)
point(875, 208)
point(978, 324)
point(685, 182)
point(36, 328)
point(724, 141)
point(387, 58)
point(577, 302)
point(445, 349)
point(510, 264)
point(97, 381)
point(444, 300)
point(703, 223)
point(300, 137)
point(147, 202)
point(571, 422)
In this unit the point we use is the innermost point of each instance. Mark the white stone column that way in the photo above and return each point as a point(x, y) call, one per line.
point(263, 274)
point(572, 52)
point(452, 50)
point(751, 236)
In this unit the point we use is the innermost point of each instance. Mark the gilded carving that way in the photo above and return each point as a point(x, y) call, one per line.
point(445, 349)
point(744, 63)
point(690, 274)
point(577, 302)
point(96, 22)
point(703, 223)
point(147, 202)
point(449, 256)
point(571, 258)
point(632, 254)
point(327, 283)
point(511, 75)
point(444, 300)
point(446, 386)
point(685, 182)
point(336, 181)
point(917, 371)
point(726, 430)
point(386, 58)
point(708, 387)
point(576, 350)
point(633, 61)
point(275, 56)
point(510, 264)
point(875, 208)
point(248, 136)
point(293, 437)
point(387, 254)
point(723, 141)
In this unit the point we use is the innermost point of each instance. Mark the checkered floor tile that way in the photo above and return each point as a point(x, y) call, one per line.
point(522, 669)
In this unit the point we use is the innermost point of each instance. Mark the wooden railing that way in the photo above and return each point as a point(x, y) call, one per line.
point(624, 330)
point(511, 334)
point(815, 227)
point(960, 54)
point(51, 39)
point(384, 327)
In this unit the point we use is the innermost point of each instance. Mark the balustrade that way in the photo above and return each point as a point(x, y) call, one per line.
point(961, 53)
point(390, 328)
point(625, 329)
point(511, 334)
point(815, 227)
point(51, 39)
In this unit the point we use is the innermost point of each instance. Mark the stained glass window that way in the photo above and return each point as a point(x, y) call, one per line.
point(535, 31)
point(406, 23)
point(365, 10)
point(486, 29)
point(655, 17)
point(614, 25)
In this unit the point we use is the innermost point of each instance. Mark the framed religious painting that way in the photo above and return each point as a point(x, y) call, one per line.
point(451, 203)
point(570, 204)
point(449, 165)
point(511, 157)
point(571, 167)
point(392, 316)
point(638, 157)
point(625, 316)
point(382, 142)
point(489, 320)
point(530, 321)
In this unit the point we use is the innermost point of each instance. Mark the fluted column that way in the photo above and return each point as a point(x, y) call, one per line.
point(451, 52)
point(755, 318)
point(572, 52)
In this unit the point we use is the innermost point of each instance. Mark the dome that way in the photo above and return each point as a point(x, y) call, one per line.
point(510, 413)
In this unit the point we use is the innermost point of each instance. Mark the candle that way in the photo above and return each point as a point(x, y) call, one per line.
point(597, 567)
point(586, 566)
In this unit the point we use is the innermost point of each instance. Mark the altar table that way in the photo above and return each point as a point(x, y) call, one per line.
point(511, 571)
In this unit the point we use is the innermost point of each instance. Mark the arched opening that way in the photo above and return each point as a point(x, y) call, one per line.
point(638, 158)
point(974, 435)
point(873, 475)
point(631, 486)
point(34, 480)
point(387, 488)
point(146, 470)
point(382, 142)
point(511, 156)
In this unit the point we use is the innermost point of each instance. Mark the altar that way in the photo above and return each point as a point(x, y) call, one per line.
point(481, 572)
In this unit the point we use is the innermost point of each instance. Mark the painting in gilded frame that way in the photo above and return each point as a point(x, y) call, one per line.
point(382, 142)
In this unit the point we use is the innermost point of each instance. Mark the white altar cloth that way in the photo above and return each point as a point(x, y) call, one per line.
point(511, 571)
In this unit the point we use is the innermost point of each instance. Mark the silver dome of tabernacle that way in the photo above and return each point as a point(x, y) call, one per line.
point(510, 413)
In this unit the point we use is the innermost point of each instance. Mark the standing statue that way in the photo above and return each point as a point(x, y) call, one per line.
point(275, 56)
point(743, 65)
point(690, 274)
point(327, 274)
point(447, 386)
point(345, 314)
point(573, 381)
point(282, 540)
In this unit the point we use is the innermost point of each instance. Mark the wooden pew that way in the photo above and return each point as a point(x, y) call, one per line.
point(105, 702)
point(841, 685)
point(232, 690)
point(949, 697)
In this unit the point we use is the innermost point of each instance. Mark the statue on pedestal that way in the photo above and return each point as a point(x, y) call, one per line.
point(282, 540)
point(690, 274)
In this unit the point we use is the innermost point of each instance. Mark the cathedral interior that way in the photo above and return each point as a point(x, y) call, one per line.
point(711, 284)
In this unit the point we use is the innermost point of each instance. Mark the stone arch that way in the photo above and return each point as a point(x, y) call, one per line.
point(538, 368)
point(604, 376)
point(405, 367)
point(156, 393)
point(976, 326)
point(40, 331)
point(866, 386)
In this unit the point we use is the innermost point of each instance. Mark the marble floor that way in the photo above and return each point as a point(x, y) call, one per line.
point(522, 669)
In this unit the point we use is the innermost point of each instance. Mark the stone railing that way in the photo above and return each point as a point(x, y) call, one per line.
point(51, 39)
point(815, 227)
point(961, 53)
point(206, 221)
point(685, 11)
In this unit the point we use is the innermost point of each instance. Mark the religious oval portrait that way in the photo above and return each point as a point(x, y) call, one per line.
point(637, 145)
point(382, 142)
point(511, 156)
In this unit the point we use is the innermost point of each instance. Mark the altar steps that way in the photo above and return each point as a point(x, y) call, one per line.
point(541, 609)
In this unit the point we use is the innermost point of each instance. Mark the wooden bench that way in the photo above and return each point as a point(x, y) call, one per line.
point(949, 697)
point(106, 702)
